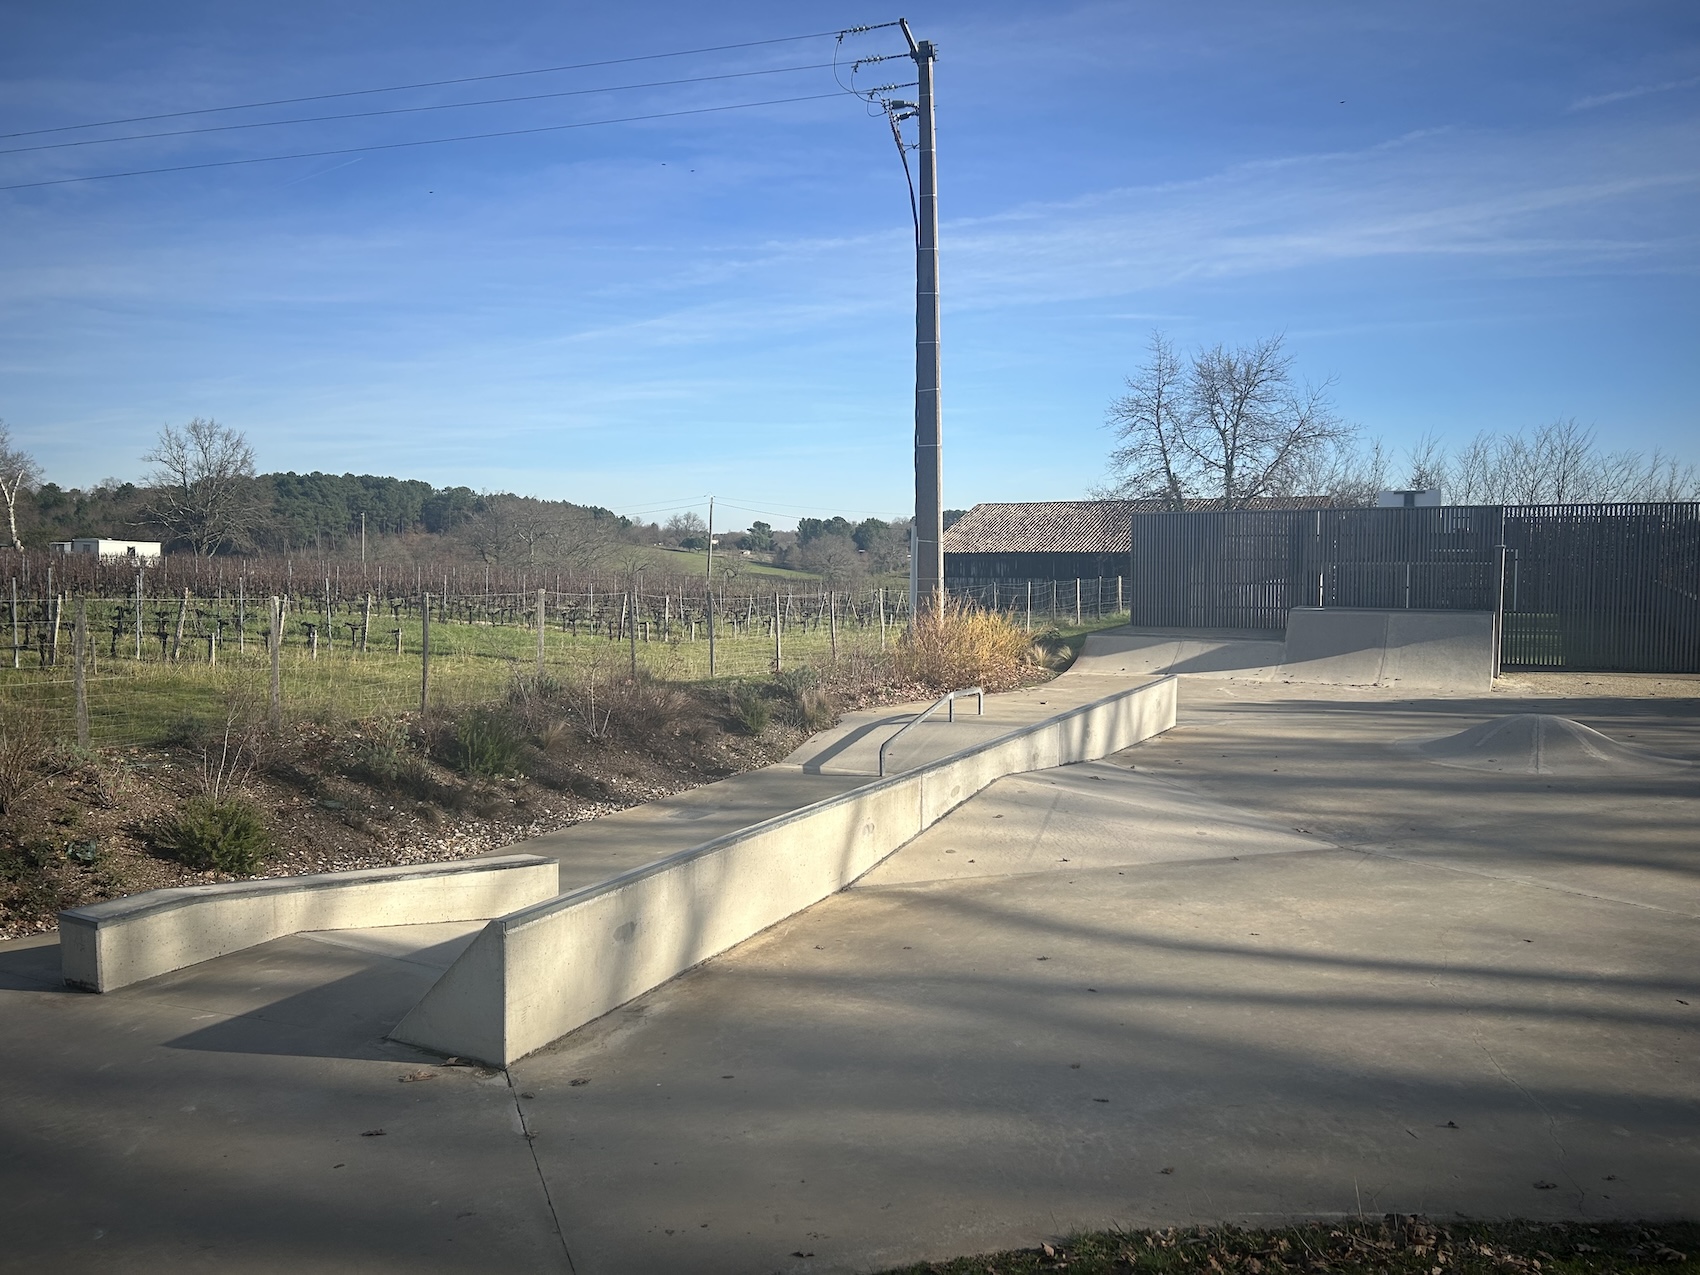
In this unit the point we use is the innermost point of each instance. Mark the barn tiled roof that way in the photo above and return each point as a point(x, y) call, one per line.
point(1072, 526)
point(1042, 526)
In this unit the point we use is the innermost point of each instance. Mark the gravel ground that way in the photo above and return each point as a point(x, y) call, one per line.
point(1600, 685)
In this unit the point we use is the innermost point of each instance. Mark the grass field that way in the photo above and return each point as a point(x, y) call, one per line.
point(133, 701)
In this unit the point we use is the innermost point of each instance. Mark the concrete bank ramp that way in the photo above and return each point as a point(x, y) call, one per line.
point(1160, 653)
point(1450, 652)
point(1411, 650)
point(1542, 744)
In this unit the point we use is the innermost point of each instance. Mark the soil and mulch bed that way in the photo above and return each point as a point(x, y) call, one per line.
point(1397, 1245)
point(390, 792)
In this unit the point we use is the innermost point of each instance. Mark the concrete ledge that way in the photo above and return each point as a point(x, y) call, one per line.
point(110, 945)
point(533, 976)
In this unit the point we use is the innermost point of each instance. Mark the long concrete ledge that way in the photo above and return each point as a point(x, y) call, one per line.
point(110, 945)
point(533, 976)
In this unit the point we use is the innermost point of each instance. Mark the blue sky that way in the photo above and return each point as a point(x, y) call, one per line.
point(1472, 215)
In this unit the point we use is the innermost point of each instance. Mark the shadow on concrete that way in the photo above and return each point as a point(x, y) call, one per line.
point(120, 1158)
point(897, 1057)
point(851, 738)
point(347, 1018)
point(33, 969)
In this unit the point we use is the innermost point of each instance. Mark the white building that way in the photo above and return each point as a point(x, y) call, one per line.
point(1408, 499)
point(143, 550)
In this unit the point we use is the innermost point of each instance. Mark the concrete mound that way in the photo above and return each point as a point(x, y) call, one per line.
point(1542, 744)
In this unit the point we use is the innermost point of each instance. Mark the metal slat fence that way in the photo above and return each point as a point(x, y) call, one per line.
point(1585, 587)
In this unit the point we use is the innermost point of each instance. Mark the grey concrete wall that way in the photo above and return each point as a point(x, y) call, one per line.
point(1412, 650)
point(110, 945)
point(539, 973)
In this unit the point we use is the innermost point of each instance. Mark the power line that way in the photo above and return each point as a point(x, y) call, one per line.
point(816, 509)
point(430, 141)
point(413, 110)
point(464, 79)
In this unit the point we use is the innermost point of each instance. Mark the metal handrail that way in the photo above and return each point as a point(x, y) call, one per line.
point(979, 694)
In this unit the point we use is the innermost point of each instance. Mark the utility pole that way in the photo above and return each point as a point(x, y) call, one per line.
point(708, 574)
point(362, 543)
point(929, 442)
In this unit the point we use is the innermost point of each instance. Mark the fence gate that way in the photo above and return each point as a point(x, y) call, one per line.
point(1603, 588)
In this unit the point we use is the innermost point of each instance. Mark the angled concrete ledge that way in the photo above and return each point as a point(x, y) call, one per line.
point(110, 945)
point(538, 973)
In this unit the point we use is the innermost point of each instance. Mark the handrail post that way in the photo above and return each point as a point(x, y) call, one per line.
point(949, 700)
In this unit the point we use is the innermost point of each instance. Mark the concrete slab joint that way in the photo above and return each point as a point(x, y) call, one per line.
point(110, 945)
point(540, 972)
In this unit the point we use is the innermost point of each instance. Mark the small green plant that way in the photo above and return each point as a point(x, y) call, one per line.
point(485, 743)
point(384, 751)
point(751, 708)
point(227, 834)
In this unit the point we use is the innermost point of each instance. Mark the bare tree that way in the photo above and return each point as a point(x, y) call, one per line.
point(18, 473)
point(1557, 463)
point(1427, 464)
point(834, 559)
point(1473, 474)
point(203, 485)
point(684, 526)
point(1149, 419)
point(1232, 425)
point(1342, 475)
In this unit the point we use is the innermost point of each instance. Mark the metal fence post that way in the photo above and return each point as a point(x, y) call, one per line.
point(1499, 555)
point(424, 651)
point(80, 654)
point(274, 640)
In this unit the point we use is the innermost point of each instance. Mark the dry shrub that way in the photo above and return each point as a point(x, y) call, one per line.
point(963, 645)
point(24, 745)
point(604, 701)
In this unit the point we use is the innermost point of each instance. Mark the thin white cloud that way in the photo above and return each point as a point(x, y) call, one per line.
point(1639, 90)
point(1553, 203)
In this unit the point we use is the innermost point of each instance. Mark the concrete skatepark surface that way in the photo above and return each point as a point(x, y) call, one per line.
point(1271, 964)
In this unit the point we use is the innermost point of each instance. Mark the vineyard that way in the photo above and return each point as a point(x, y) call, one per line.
point(109, 653)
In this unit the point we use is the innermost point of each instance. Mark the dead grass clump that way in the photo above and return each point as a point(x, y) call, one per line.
point(963, 645)
point(24, 744)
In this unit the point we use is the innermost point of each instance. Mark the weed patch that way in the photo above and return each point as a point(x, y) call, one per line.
point(227, 835)
point(486, 744)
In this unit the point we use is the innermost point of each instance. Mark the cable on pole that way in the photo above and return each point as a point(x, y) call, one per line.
point(429, 141)
point(463, 79)
point(415, 110)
